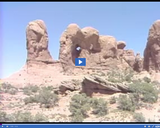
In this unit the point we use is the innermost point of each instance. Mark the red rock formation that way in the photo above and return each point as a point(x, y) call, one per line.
point(99, 51)
point(37, 42)
point(152, 50)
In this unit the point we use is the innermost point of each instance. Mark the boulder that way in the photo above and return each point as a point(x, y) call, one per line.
point(96, 84)
point(129, 57)
point(121, 44)
point(108, 46)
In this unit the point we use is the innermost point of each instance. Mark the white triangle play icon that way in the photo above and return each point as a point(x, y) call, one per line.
point(80, 61)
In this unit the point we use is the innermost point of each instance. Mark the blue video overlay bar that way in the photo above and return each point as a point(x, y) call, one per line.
point(80, 125)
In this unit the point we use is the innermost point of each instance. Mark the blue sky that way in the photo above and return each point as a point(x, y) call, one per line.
point(127, 21)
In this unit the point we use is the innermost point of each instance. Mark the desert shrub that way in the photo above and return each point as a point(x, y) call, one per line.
point(45, 97)
point(112, 100)
point(128, 74)
point(114, 80)
point(114, 76)
point(138, 117)
point(8, 88)
point(40, 118)
point(29, 90)
point(136, 81)
point(155, 82)
point(21, 117)
point(135, 100)
point(79, 106)
point(77, 117)
point(147, 80)
point(4, 117)
point(145, 92)
point(76, 82)
point(50, 88)
point(126, 103)
point(128, 77)
point(31, 99)
point(99, 107)
point(12, 91)
point(120, 76)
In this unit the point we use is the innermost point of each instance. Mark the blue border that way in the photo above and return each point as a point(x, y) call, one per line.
point(81, 125)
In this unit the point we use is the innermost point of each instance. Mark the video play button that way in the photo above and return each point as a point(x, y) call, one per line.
point(80, 61)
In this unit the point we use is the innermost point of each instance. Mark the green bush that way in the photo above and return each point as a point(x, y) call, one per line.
point(128, 77)
point(147, 80)
point(31, 99)
point(114, 80)
point(145, 92)
point(21, 117)
point(45, 97)
point(77, 117)
point(120, 76)
point(138, 117)
point(112, 100)
point(99, 107)
point(8, 88)
point(155, 82)
point(126, 103)
point(29, 90)
point(115, 77)
point(13, 91)
point(50, 88)
point(79, 106)
point(40, 118)
point(4, 117)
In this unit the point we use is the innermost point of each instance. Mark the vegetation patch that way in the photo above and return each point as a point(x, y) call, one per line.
point(145, 92)
point(20, 116)
point(31, 89)
point(99, 107)
point(46, 97)
point(121, 76)
point(8, 88)
point(81, 104)
point(126, 103)
point(112, 100)
point(138, 117)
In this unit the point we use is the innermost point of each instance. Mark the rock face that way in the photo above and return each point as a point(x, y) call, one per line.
point(108, 46)
point(37, 42)
point(100, 51)
point(152, 50)
point(129, 57)
point(138, 65)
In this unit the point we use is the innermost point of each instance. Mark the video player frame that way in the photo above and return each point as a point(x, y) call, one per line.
point(86, 78)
